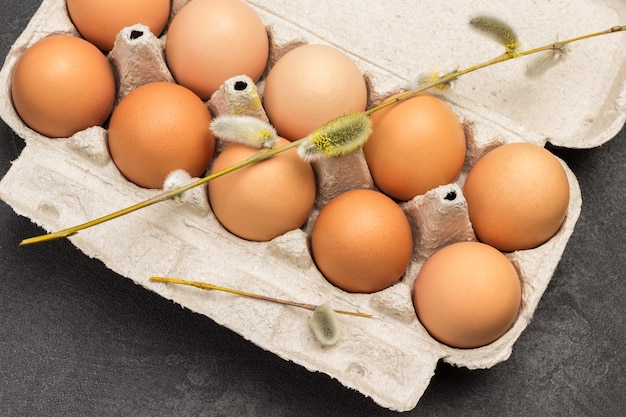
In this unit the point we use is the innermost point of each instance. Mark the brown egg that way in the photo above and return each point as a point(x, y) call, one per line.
point(264, 200)
point(416, 145)
point(517, 196)
point(99, 21)
point(210, 41)
point(467, 294)
point(62, 85)
point(158, 128)
point(362, 241)
point(310, 85)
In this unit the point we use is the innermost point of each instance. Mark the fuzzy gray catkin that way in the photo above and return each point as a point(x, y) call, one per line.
point(325, 325)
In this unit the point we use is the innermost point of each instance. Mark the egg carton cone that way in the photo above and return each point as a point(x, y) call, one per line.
point(391, 358)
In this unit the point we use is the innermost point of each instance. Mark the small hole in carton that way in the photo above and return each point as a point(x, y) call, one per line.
point(241, 85)
point(135, 34)
point(451, 196)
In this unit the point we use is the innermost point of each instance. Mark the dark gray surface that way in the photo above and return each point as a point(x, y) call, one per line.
point(77, 339)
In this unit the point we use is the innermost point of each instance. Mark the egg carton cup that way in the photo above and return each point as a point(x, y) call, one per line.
point(391, 357)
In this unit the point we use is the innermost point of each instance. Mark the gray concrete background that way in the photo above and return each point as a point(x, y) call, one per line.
point(79, 340)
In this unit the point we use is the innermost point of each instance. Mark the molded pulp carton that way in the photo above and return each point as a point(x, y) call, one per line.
point(390, 358)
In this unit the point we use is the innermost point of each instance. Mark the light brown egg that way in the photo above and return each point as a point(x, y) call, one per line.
point(517, 196)
point(210, 41)
point(309, 86)
point(467, 294)
point(158, 128)
point(264, 200)
point(62, 85)
point(99, 21)
point(416, 145)
point(362, 241)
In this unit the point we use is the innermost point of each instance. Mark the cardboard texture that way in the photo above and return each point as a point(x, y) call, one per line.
point(391, 358)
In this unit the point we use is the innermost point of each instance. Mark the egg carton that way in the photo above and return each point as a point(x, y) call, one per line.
point(390, 358)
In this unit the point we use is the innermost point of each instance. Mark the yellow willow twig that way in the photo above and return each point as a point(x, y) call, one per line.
point(263, 154)
point(328, 142)
point(207, 286)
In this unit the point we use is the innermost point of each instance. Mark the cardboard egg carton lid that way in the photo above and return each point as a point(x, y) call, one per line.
point(390, 358)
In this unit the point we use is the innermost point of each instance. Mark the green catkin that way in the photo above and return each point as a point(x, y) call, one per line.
point(498, 29)
point(338, 137)
point(324, 325)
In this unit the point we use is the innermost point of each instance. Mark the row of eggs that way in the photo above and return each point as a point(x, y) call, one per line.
point(517, 194)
